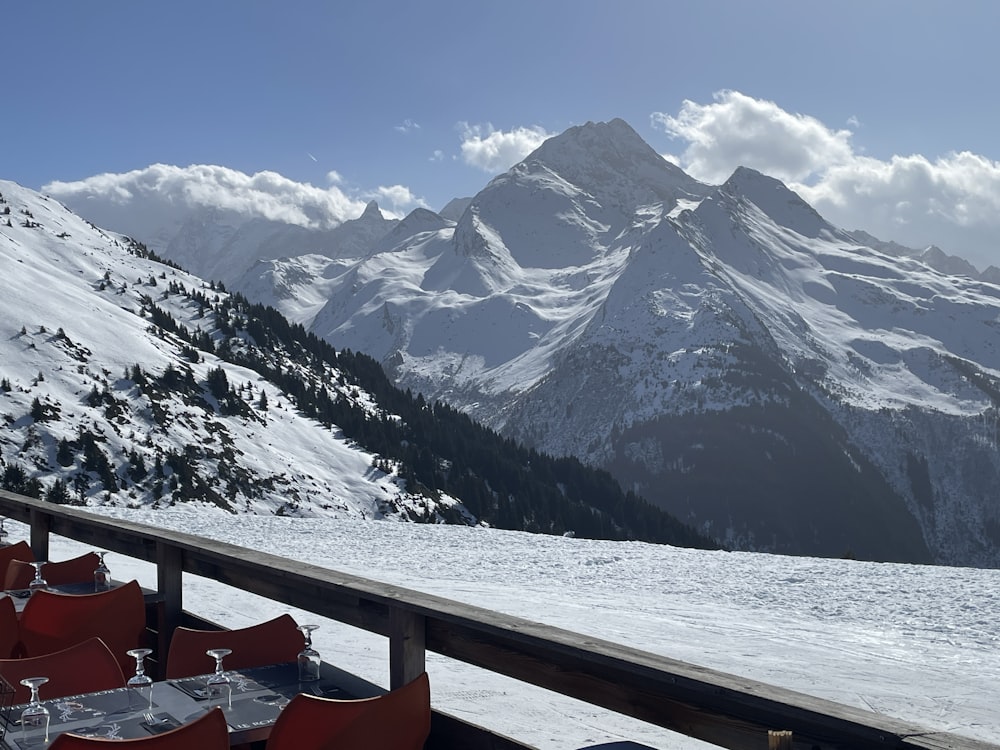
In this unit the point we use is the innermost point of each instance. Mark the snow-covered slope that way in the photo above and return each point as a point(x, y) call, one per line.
point(223, 245)
point(81, 352)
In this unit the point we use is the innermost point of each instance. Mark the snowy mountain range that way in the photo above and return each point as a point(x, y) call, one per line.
point(781, 383)
point(125, 381)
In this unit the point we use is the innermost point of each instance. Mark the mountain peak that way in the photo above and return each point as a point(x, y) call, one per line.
point(782, 204)
point(616, 134)
point(418, 221)
point(746, 180)
point(372, 212)
point(613, 163)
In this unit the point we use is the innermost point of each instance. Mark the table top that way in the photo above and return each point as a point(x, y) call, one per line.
point(258, 695)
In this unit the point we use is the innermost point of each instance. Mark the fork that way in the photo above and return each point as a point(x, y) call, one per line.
point(151, 720)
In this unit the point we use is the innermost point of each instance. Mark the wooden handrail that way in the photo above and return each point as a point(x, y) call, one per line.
point(723, 709)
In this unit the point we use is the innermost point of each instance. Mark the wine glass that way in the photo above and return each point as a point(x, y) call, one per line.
point(102, 576)
point(140, 685)
point(3, 534)
point(37, 583)
point(218, 687)
point(308, 657)
point(35, 715)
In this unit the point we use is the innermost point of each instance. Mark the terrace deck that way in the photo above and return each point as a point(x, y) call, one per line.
point(723, 709)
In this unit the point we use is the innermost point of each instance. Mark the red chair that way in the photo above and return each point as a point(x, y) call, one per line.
point(9, 628)
point(52, 621)
point(397, 720)
point(83, 668)
point(272, 642)
point(208, 732)
point(18, 551)
point(77, 570)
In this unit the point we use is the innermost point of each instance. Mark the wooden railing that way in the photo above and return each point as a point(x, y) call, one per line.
point(719, 708)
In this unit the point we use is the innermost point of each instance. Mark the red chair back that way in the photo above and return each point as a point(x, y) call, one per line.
point(208, 732)
point(76, 570)
point(82, 668)
point(271, 642)
point(397, 720)
point(52, 621)
point(9, 628)
point(17, 551)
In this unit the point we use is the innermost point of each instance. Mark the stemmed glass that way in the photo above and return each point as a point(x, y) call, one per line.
point(102, 576)
point(34, 715)
point(218, 687)
point(37, 583)
point(309, 660)
point(3, 534)
point(140, 685)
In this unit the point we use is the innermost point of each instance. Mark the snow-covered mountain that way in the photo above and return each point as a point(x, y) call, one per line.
point(83, 366)
point(932, 255)
point(222, 245)
point(126, 381)
point(723, 350)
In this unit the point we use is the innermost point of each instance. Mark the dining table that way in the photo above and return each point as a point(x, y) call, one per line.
point(258, 695)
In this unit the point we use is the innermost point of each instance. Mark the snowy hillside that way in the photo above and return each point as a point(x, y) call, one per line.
point(724, 351)
point(54, 263)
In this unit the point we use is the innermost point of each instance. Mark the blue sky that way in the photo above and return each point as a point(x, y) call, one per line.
point(864, 107)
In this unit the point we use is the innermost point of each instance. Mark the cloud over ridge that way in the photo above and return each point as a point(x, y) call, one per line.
point(497, 150)
point(952, 200)
point(177, 190)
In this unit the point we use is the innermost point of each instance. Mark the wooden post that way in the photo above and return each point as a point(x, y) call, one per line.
point(407, 655)
point(169, 584)
point(39, 535)
point(779, 740)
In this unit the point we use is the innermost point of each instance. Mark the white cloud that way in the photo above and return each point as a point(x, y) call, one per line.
point(438, 155)
point(952, 201)
point(675, 160)
point(497, 150)
point(126, 202)
point(737, 130)
point(407, 125)
point(398, 200)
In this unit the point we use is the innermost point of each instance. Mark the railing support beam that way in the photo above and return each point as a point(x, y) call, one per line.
point(169, 585)
point(407, 646)
point(39, 534)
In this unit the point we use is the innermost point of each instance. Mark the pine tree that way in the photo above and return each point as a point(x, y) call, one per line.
point(81, 483)
point(218, 383)
point(58, 493)
point(64, 453)
point(37, 410)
